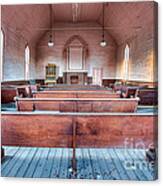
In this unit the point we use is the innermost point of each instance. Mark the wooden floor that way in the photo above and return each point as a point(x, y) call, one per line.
point(108, 164)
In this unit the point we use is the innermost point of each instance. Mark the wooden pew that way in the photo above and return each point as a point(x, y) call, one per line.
point(77, 104)
point(129, 91)
point(75, 94)
point(78, 130)
point(24, 91)
point(7, 94)
point(148, 96)
point(72, 87)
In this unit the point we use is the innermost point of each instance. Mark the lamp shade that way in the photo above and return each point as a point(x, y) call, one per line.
point(103, 43)
point(50, 43)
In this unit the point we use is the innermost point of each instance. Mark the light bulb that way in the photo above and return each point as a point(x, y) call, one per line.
point(50, 43)
point(103, 43)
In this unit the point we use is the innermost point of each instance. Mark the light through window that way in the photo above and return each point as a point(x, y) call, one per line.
point(2, 50)
point(27, 62)
point(126, 61)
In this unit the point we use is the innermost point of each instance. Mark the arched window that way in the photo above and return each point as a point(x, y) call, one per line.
point(27, 62)
point(2, 53)
point(126, 61)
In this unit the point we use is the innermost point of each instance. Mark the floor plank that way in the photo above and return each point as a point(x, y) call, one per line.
point(87, 164)
point(6, 170)
point(118, 165)
point(80, 164)
point(96, 169)
point(21, 172)
point(47, 168)
point(133, 158)
point(108, 164)
point(56, 164)
point(19, 163)
point(64, 164)
point(113, 173)
point(144, 165)
point(30, 171)
point(9, 154)
point(105, 173)
point(41, 163)
point(124, 159)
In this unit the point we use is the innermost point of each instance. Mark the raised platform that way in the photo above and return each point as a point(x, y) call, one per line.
point(108, 164)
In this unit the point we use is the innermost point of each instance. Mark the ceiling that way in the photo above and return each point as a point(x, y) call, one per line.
point(77, 12)
point(122, 20)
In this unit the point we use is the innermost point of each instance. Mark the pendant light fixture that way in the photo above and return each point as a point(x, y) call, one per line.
point(103, 42)
point(51, 42)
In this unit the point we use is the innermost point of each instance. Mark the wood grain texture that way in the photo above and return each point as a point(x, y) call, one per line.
point(78, 104)
point(114, 131)
point(101, 130)
point(76, 94)
point(37, 130)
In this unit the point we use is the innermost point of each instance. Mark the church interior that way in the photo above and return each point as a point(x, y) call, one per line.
point(79, 90)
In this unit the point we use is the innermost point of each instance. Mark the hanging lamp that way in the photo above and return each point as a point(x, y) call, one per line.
point(50, 41)
point(103, 42)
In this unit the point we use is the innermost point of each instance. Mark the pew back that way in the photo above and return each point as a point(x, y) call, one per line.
point(78, 104)
point(72, 87)
point(91, 130)
point(75, 94)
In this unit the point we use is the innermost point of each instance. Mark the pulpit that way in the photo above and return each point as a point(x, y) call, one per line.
point(79, 78)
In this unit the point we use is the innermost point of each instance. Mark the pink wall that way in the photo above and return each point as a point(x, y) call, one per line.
point(143, 57)
point(98, 56)
point(19, 23)
point(131, 23)
point(13, 58)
